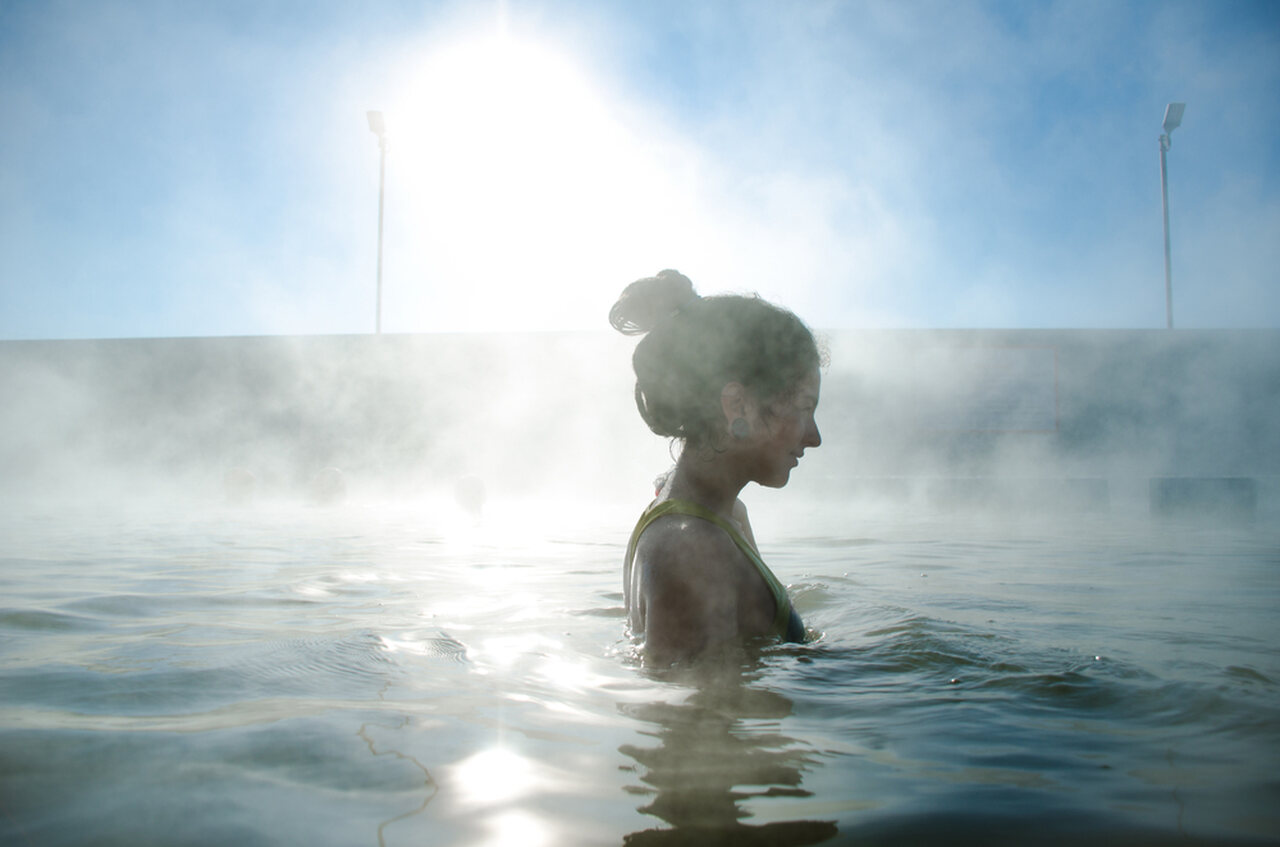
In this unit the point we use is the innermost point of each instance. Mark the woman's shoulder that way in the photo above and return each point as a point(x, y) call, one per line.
point(686, 545)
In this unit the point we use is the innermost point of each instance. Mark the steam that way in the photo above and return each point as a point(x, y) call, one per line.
point(467, 418)
point(1001, 422)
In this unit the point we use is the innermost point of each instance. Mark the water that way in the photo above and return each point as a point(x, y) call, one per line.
point(405, 674)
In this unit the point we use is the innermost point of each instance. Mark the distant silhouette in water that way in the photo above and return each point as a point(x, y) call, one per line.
point(238, 486)
point(469, 492)
point(329, 487)
point(735, 380)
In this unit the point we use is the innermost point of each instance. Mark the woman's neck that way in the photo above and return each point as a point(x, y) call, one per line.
point(706, 480)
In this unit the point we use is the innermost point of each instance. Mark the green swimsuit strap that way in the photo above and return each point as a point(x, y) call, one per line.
point(781, 617)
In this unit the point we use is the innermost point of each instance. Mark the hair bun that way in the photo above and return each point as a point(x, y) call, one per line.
point(647, 302)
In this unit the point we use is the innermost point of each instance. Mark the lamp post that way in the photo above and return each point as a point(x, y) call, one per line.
point(1172, 120)
point(379, 128)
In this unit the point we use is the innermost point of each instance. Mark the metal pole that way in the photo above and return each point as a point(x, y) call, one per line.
point(1164, 196)
point(382, 180)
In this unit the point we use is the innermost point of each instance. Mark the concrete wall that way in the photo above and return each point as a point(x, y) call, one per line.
point(1057, 418)
point(1047, 411)
point(398, 411)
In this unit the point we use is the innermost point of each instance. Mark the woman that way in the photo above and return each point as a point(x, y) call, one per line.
point(736, 380)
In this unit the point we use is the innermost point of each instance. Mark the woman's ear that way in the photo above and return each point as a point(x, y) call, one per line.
point(733, 402)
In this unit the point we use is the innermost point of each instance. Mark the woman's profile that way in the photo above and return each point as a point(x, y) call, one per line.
point(735, 380)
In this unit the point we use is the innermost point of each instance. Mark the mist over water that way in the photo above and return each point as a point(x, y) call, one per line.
point(397, 415)
point(1077, 419)
point(367, 590)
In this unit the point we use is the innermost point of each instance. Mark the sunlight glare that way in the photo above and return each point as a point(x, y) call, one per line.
point(493, 776)
point(566, 675)
point(521, 190)
point(517, 827)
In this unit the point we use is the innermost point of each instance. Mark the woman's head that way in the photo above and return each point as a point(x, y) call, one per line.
point(695, 346)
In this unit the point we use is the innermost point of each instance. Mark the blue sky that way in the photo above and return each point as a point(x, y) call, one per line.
point(176, 169)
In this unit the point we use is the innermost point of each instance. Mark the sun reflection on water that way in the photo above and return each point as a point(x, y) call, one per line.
point(501, 782)
point(493, 776)
point(517, 826)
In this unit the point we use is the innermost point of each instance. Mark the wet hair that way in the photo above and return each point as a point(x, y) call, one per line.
point(694, 346)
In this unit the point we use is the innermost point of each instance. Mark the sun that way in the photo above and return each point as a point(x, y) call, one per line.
point(520, 195)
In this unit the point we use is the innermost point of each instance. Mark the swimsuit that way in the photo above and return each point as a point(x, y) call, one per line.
point(786, 623)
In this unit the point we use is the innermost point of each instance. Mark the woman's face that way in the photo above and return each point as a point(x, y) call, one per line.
point(782, 431)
